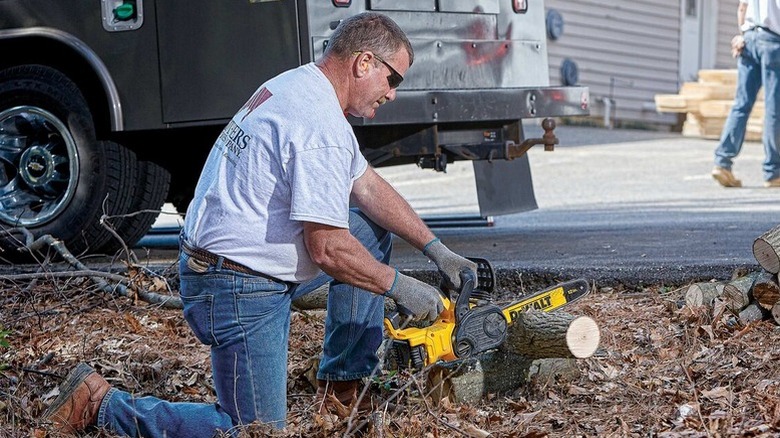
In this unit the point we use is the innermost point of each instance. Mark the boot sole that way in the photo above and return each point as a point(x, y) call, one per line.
point(725, 181)
point(74, 379)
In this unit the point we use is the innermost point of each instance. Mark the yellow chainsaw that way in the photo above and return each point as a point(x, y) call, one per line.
point(470, 323)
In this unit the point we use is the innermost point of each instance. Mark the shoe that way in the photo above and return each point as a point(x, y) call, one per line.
point(772, 182)
point(725, 177)
point(340, 398)
point(79, 401)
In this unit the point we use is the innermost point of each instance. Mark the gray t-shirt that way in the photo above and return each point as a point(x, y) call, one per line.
point(289, 155)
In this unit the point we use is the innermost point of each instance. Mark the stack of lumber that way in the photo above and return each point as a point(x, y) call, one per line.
point(707, 103)
point(751, 297)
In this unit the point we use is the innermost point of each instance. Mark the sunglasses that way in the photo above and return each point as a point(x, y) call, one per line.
point(394, 79)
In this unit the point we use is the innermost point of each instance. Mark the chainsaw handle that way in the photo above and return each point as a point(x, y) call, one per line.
point(486, 275)
point(484, 280)
point(467, 283)
point(399, 320)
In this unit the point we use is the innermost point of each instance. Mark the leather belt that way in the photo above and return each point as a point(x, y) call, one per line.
point(210, 258)
point(766, 29)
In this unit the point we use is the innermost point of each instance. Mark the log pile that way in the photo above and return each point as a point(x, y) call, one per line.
point(751, 297)
point(707, 103)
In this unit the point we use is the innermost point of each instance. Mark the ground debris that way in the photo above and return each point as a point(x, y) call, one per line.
point(661, 370)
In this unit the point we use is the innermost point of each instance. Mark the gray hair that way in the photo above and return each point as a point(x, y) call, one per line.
point(368, 31)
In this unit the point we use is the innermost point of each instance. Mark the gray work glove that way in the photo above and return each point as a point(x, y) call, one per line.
point(413, 297)
point(450, 264)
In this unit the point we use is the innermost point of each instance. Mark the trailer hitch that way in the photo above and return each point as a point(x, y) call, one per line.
point(490, 151)
point(549, 140)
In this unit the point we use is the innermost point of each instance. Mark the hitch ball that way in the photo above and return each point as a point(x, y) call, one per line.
point(549, 138)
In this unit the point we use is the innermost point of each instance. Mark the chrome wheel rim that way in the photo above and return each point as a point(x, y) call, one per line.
point(38, 166)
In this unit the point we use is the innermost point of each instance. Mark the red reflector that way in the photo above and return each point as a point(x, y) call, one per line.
point(520, 6)
point(342, 3)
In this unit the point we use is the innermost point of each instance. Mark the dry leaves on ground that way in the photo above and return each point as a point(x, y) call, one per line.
point(661, 370)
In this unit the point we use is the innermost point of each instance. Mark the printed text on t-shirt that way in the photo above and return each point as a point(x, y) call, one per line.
point(233, 140)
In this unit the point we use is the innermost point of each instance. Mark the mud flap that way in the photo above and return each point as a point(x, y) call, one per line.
point(504, 187)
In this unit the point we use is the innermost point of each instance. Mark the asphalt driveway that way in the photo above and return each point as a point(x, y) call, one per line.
point(614, 205)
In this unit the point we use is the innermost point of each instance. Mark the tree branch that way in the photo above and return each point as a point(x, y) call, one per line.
point(120, 288)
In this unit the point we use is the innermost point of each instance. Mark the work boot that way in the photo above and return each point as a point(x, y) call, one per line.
point(79, 401)
point(346, 393)
point(775, 182)
point(725, 177)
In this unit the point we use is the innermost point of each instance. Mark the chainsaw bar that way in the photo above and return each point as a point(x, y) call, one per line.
point(484, 327)
point(549, 299)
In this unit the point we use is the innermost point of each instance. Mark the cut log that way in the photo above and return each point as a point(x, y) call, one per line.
point(718, 308)
point(702, 294)
point(316, 299)
point(467, 381)
point(495, 372)
point(753, 312)
point(776, 313)
point(539, 335)
point(736, 293)
point(765, 290)
point(540, 346)
point(766, 250)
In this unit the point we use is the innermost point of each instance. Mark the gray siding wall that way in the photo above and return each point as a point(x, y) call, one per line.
point(627, 50)
point(630, 50)
point(727, 28)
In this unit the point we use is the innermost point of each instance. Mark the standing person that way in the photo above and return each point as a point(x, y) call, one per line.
point(757, 49)
point(271, 221)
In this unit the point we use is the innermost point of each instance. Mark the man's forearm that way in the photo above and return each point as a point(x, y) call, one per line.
point(384, 205)
point(344, 258)
point(741, 10)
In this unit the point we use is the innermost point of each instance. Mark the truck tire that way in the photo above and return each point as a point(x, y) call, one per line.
point(151, 190)
point(54, 175)
point(123, 175)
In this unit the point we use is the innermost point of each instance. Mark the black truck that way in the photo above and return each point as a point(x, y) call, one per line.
point(109, 108)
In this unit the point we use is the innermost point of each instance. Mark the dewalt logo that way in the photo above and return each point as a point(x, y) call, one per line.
point(542, 303)
point(546, 302)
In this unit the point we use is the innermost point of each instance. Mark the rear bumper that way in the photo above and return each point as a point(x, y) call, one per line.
point(445, 106)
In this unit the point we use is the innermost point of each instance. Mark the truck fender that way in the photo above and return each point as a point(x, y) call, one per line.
point(97, 65)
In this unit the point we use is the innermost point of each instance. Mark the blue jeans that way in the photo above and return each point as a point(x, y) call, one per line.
point(246, 321)
point(758, 64)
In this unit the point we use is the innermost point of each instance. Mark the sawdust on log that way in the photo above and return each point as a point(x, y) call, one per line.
point(661, 370)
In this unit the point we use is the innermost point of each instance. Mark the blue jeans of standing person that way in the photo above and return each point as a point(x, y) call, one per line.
point(758, 64)
point(246, 321)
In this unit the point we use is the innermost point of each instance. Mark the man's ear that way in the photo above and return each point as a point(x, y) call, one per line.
point(361, 64)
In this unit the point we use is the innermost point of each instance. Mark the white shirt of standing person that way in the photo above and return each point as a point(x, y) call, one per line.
point(763, 13)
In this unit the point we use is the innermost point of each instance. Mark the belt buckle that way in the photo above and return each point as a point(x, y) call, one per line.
point(197, 265)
